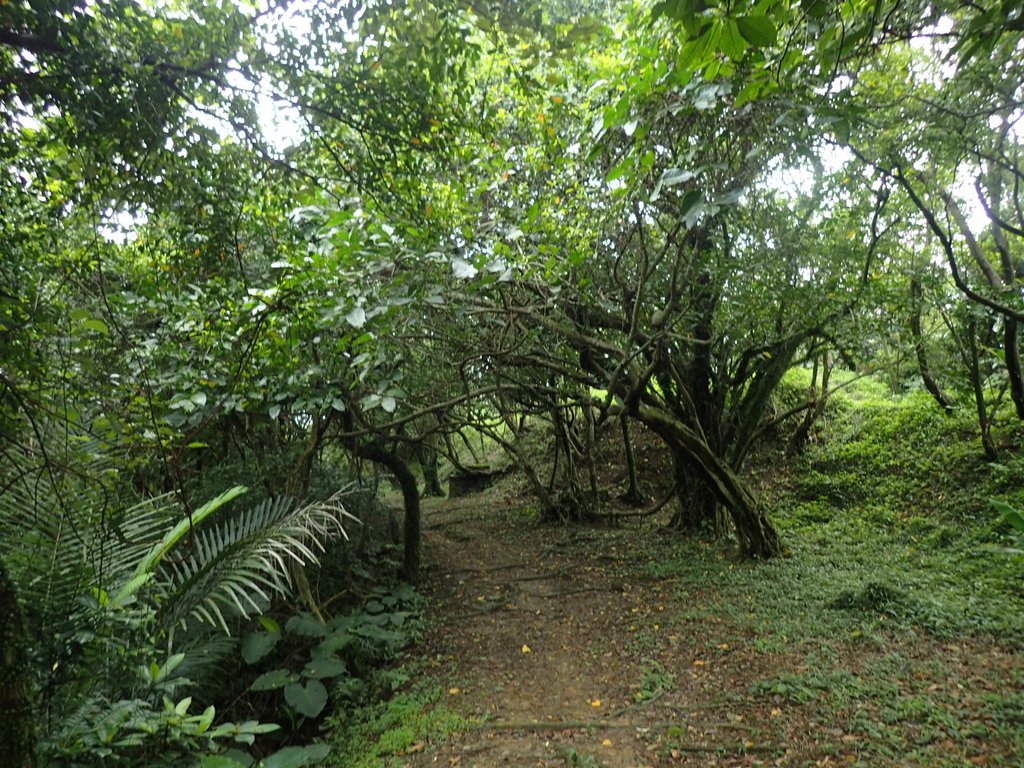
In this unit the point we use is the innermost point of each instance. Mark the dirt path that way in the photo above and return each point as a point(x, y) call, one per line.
point(551, 638)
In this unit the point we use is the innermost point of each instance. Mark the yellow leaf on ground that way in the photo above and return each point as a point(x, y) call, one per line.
point(454, 691)
point(526, 649)
point(698, 663)
point(595, 703)
point(606, 743)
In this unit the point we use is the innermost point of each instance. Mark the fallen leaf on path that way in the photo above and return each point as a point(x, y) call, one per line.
point(595, 703)
point(526, 649)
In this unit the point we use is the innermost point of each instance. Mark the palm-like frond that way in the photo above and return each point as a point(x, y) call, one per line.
point(236, 565)
point(63, 544)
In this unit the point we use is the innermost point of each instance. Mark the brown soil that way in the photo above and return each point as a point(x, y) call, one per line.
point(545, 636)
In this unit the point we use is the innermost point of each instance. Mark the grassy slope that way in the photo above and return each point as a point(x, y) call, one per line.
point(894, 626)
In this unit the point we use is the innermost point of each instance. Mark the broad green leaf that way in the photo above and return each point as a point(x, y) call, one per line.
point(623, 167)
point(307, 699)
point(296, 757)
point(733, 43)
point(97, 325)
point(673, 176)
point(269, 624)
point(275, 678)
point(689, 207)
point(322, 667)
point(356, 318)
point(816, 9)
point(1009, 513)
point(258, 644)
point(306, 625)
point(759, 31)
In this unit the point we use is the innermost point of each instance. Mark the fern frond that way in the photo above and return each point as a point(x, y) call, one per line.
point(238, 565)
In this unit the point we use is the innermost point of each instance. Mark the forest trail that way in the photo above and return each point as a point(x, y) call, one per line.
point(554, 641)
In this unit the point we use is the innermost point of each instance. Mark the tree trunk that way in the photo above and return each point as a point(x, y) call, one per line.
point(426, 454)
point(757, 537)
point(17, 733)
point(591, 450)
point(1011, 351)
point(819, 400)
point(410, 500)
point(978, 387)
point(1011, 277)
point(944, 400)
point(633, 496)
point(696, 504)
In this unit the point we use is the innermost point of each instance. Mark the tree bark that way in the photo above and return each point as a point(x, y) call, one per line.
point(410, 500)
point(426, 454)
point(757, 537)
point(17, 732)
point(696, 504)
point(944, 400)
point(978, 387)
point(1011, 352)
point(633, 495)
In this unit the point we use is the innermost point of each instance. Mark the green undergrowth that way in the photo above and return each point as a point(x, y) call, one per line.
point(890, 530)
point(897, 607)
point(378, 734)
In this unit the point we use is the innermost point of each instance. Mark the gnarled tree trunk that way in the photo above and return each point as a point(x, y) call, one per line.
point(757, 537)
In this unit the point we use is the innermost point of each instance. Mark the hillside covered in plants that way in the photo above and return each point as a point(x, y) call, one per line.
point(558, 382)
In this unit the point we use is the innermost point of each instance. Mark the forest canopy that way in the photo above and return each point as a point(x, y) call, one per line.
point(277, 245)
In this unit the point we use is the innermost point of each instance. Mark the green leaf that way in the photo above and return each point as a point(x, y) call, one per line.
point(175, 535)
point(306, 625)
point(296, 757)
point(733, 43)
point(97, 325)
point(1010, 514)
point(275, 678)
point(690, 206)
point(258, 644)
point(673, 176)
point(759, 31)
point(308, 699)
point(320, 668)
point(621, 169)
point(222, 761)
point(816, 9)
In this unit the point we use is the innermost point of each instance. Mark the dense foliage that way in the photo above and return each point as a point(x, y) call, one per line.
point(293, 246)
